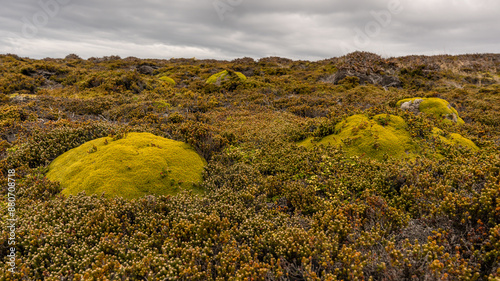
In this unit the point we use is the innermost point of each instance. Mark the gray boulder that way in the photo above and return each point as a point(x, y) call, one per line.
point(412, 105)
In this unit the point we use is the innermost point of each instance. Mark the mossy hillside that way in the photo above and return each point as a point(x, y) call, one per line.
point(437, 107)
point(262, 193)
point(131, 167)
point(224, 76)
point(378, 137)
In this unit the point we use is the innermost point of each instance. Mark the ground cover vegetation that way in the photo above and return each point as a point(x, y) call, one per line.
point(350, 168)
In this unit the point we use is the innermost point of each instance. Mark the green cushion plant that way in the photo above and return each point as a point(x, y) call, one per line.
point(382, 136)
point(437, 107)
point(136, 165)
point(377, 137)
point(167, 80)
point(224, 76)
point(454, 139)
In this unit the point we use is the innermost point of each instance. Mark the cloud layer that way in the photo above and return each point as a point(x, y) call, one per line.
point(227, 29)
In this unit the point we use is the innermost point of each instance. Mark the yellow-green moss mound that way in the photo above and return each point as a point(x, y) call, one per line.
point(434, 106)
point(383, 135)
point(131, 167)
point(224, 76)
point(167, 79)
point(454, 139)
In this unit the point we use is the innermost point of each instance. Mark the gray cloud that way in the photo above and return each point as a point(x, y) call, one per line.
point(226, 29)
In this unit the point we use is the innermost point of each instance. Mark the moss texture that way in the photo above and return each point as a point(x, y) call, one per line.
point(454, 139)
point(167, 79)
point(131, 167)
point(270, 209)
point(225, 75)
point(383, 135)
point(436, 107)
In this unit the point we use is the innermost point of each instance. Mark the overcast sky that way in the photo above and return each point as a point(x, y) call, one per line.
point(228, 29)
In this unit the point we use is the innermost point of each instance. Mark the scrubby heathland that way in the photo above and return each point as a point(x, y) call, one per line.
point(351, 168)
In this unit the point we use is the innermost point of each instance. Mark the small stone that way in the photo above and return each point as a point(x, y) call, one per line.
point(412, 106)
point(145, 69)
point(453, 117)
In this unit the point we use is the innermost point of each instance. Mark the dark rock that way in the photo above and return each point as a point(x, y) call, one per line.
point(72, 57)
point(368, 68)
point(372, 78)
point(11, 138)
point(244, 61)
point(145, 69)
point(45, 73)
point(37, 73)
point(391, 81)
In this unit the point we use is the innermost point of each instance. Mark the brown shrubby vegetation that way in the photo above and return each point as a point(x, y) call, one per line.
point(271, 210)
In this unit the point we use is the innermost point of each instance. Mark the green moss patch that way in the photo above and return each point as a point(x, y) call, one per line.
point(378, 137)
point(454, 139)
point(434, 106)
point(167, 80)
point(131, 167)
point(224, 76)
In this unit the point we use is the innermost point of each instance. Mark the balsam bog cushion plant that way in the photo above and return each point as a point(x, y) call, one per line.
point(131, 167)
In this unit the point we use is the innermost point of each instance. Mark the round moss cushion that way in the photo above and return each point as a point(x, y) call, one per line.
point(375, 137)
point(167, 80)
point(224, 76)
point(131, 167)
point(434, 106)
point(454, 139)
